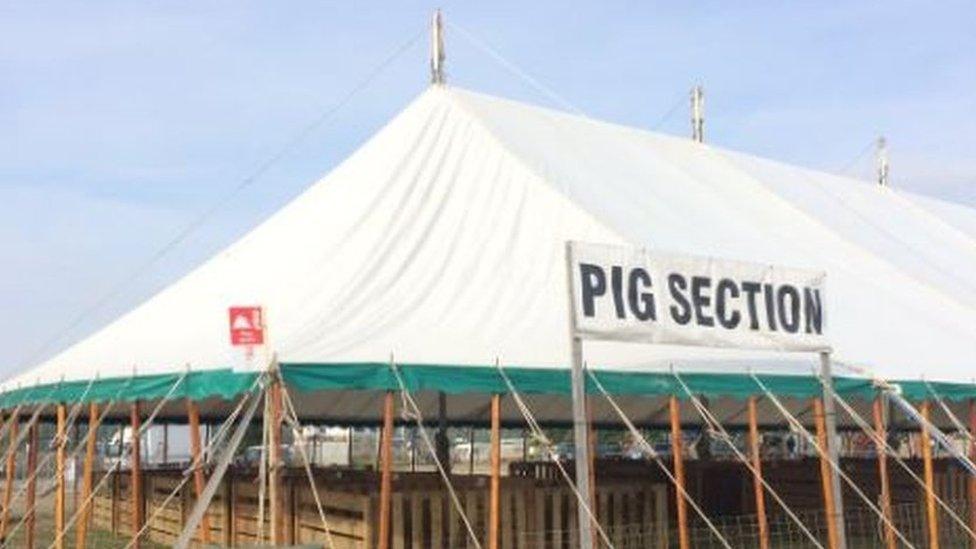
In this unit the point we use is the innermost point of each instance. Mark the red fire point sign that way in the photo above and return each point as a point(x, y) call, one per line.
point(246, 326)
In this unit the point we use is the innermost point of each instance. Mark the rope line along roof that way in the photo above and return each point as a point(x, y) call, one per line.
point(891, 452)
point(539, 434)
point(32, 477)
point(960, 429)
point(724, 435)
point(143, 427)
point(650, 451)
point(203, 502)
point(811, 440)
point(215, 441)
point(930, 430)
point(412, 411)
point(291, 416)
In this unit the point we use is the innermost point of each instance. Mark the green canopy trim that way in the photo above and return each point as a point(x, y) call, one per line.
point(487, 379)
point(454, 379)
point(197, 385)
point(922, 390)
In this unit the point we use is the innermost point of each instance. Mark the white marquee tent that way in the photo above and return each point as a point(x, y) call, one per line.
point(439, 244)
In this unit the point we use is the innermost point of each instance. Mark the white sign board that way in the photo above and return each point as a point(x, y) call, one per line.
point(629, 294)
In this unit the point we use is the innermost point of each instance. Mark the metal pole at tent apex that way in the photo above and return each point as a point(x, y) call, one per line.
point(437, 49)
point(830, 422)
point(580, 424)
point(698, 114)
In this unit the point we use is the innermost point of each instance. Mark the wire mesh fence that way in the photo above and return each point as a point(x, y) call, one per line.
point(863, 527)
point(864, 530)
point(630, 536)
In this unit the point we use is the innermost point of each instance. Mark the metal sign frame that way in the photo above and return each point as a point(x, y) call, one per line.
point(581, 423)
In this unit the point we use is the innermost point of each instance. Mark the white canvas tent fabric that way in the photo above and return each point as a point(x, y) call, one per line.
point(441, 241)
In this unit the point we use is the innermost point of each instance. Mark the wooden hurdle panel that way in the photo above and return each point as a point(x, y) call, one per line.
point(532, 516)
point(220, 512)
point(244, 513)
point(951, 480)
point(103, 507)
point(350, 516)
point(123, 503)
point(111, 504)
point(165, 519)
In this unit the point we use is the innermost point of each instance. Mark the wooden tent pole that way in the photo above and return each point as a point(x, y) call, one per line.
point(677, 454)
point(881, 433)
point(386, 474)
point(274, 464)
point(31, 520)
point(11, 468)
point(931, 513)
point(496, 472)
point(826, 475)
point(75, 471)
point(199, 482)
point(81, 534)
point(60, 488)
point(757, 474)
point(972, 478)
point(135, 489)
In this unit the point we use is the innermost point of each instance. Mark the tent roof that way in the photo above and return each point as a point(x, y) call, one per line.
point(441, 240)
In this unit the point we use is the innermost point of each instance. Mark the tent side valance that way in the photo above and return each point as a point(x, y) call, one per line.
point(486, 379)
point(195, 385)
point(459, 379)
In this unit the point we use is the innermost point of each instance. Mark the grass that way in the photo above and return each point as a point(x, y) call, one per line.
point(44, 534)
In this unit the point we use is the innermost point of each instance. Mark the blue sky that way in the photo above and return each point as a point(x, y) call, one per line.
point(123, 121)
